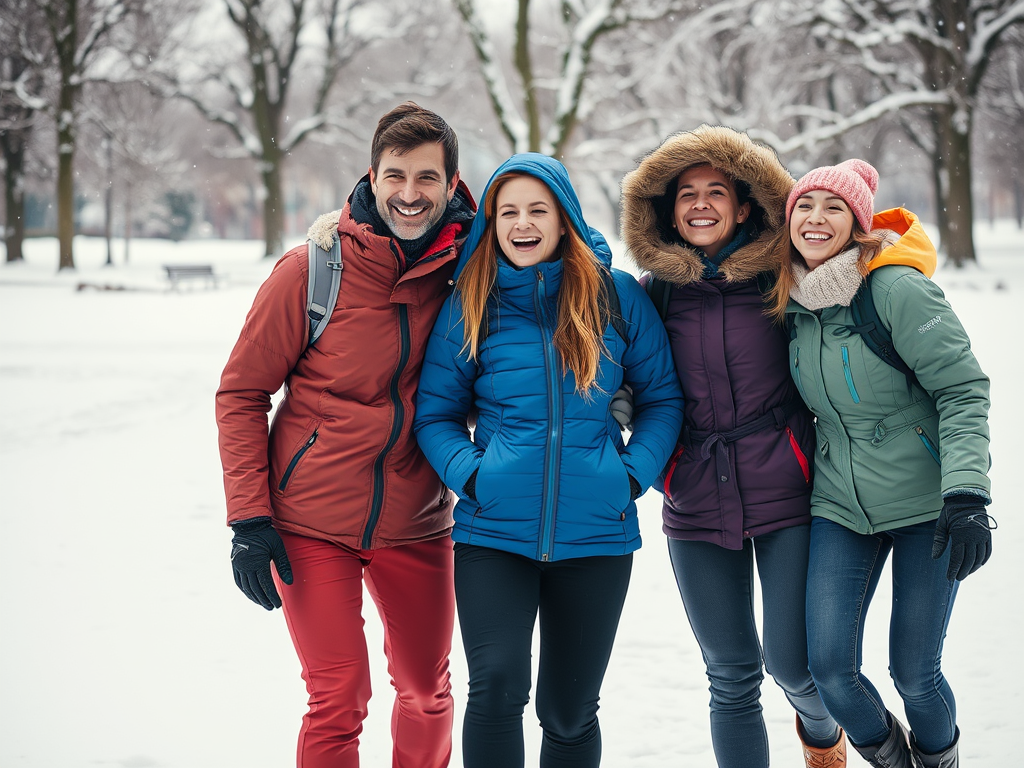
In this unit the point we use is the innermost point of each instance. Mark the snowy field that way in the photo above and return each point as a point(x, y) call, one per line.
point(124, 641)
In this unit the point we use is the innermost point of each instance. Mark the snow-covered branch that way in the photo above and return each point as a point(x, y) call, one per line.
point(887, 104)
point(987, 31)
point(512, 124)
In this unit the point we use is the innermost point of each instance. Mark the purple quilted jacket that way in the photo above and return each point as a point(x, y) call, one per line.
point(742, 466)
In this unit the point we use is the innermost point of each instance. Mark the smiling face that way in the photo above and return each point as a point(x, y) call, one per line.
point(821, 226)
point(411, 190)
point(707, 210)
point(527, 221)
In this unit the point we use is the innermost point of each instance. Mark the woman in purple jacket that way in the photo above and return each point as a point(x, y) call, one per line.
point(697, 216)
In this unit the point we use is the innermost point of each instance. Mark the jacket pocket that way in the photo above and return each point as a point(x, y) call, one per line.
point(928, 444)
point(670, 469)
point(849, 374)
point(290, 469)
point(805, 465)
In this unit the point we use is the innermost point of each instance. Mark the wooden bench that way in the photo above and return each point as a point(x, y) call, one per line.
point(178, 273)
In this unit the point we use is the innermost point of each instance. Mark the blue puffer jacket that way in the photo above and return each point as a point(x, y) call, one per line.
point(552, 470)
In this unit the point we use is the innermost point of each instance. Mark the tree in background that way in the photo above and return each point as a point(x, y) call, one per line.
point(23, 57)
point(559, 94)
point(80, 32)
point(279, 49)
point(935, 53)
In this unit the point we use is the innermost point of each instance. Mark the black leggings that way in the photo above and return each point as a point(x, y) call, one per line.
point(498, 596)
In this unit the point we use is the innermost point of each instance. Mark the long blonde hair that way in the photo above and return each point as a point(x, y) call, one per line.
point(583, 311)
point(784, 255)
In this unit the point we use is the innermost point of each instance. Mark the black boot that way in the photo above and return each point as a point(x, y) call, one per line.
point(947, 758)
point(894, 752)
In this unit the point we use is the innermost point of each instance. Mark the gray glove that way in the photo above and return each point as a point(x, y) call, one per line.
point(622, 407)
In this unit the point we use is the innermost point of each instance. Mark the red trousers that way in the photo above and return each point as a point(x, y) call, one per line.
point(412, 587)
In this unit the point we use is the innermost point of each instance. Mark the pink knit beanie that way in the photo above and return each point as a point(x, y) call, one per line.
point(853, 180)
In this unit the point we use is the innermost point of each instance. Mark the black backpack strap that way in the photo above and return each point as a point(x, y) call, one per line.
point(872, 330)
point(324, 282)
point(614, 305)
point(659, 292)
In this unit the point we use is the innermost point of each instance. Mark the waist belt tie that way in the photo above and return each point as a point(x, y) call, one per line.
point(719, 441)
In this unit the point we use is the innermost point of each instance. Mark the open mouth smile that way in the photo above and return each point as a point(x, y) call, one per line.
point(697, 223)
point(409, 212)
point(816, 237)
point(525, 243)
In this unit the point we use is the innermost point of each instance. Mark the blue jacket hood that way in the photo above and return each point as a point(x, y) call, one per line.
point(556, 177)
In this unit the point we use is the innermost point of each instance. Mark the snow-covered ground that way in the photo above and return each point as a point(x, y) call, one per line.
point(124, 641)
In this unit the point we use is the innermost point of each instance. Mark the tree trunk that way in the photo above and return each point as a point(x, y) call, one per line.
point(273, 205)
point(127, 218)
point(108, 200)
point(13, 143)
point(65, 192)
point(1018, 201)
point(956, 156)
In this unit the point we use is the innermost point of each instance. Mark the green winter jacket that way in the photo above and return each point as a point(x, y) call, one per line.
point(887, 453)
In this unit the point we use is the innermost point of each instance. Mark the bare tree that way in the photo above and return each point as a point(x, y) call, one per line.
point(278, 36)
point(934, 53)
point(79, 31)
point(582, 24)
point(23, 56)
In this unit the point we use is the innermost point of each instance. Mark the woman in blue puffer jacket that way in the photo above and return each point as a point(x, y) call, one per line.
point(536, 337)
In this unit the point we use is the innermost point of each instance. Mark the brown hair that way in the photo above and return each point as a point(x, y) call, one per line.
point(408, 126)
point(783, 254)
point(583, 311)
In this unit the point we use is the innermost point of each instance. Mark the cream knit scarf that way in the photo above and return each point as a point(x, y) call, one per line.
point(831, 283)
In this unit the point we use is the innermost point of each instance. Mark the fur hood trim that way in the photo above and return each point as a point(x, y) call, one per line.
point(727, 150)
point(324, 229)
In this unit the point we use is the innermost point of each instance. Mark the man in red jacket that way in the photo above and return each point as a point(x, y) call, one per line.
point(336, 493)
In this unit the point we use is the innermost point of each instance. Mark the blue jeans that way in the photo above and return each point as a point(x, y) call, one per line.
point(717, 587)
point(844, 572)
point(579, 602)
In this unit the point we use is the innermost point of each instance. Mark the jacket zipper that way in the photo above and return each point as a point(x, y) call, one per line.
point(849, 375)
point(295, 460)
point(554, 443)
point(928, 444)
point(396, 425)
point(796, 374)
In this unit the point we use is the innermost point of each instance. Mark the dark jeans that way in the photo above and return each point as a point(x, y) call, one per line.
point(844, 572)
point(717, 587)
point(498, 596)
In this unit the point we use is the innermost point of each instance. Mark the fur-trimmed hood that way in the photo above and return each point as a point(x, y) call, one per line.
point(727, 150)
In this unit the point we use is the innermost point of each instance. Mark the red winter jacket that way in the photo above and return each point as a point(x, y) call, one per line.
point(340, 462)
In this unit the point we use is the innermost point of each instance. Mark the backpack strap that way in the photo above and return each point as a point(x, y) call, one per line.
point(324, 282)
point(872, 330)
point(614, 305)
point(659, 292)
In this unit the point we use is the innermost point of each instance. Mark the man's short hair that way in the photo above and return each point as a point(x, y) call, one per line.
point(408, 126)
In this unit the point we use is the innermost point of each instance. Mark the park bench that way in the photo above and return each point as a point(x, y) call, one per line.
point(178, 273)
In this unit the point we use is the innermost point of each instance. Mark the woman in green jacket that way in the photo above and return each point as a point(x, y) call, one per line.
point(902, 454)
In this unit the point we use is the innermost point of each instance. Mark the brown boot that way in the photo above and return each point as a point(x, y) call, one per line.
point(823, 757)
point(894, 752)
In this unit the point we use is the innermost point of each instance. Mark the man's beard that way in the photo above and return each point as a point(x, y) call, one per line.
point(404, 230)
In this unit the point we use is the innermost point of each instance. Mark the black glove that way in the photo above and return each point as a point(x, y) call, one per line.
point(967, 528)
point(253, 546)
point(635, 489)
point(469, 489)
